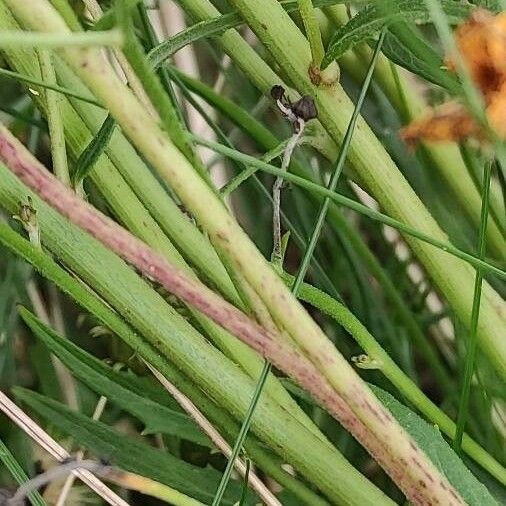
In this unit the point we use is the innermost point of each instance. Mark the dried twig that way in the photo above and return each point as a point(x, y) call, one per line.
point(298, 114)
point(43, 439)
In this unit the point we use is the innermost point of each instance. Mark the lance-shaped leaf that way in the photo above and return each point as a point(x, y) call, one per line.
point(130, 454)
point(121, 389)
point(371, 19)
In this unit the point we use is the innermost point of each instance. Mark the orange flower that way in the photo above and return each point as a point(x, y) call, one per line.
point(481, 41)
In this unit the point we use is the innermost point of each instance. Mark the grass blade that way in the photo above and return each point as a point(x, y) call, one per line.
point(475, 315)
point(18, 474)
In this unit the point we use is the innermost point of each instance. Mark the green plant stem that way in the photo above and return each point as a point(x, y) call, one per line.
point(246, 478)
point(161, 102)
point(300, 276)
point(295, 234)
point(445, 157)
point(48, 86)
point(352, 204)
point(308, 15)
point(343, 316)
point(243, 432)
point(152, 41)
point(209, 28)
point(322, 213)
point(372, 424)
point(178, 134)
point(54, 118)
point(20, 39)
point(496, 209)
point(136, 217)
point(475, 315)
point(177, 341)
point(67, 13)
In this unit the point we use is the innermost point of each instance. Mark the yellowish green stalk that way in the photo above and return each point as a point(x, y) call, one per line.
point(54, 118)
point(380, 359)
point(308, 15)
point(133, 214)
point(112, 38)
point(378, 173)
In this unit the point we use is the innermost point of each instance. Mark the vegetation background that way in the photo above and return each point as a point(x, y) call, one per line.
point(397, 252)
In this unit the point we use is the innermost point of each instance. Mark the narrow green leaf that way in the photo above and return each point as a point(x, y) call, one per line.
point(13, 466)
point(429, 439)
point(371, 19)
point(48, 86)
point(93, 150)
point(404, 46)
point(119, 388)
point(128, 453)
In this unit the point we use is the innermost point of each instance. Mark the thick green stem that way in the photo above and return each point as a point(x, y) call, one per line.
point(307, 13)
point(134, 215)
point(269, 142)
point(174, 340)
point(161, 102)
point(445, 156)
point(340, 199)
point(89, 301)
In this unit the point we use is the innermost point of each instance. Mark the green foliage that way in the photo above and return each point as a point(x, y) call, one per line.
point(95, 148)
point(371, 19)
point(379, 316)
point(13, 466)
point(406, 47)
point(124, 390)
point(129, 454)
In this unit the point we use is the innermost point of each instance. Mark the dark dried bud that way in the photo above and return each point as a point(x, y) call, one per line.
point(277, 92)
point(305, 108)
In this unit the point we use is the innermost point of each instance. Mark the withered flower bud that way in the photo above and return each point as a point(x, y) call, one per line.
point(305, 108)
point(277, 92)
